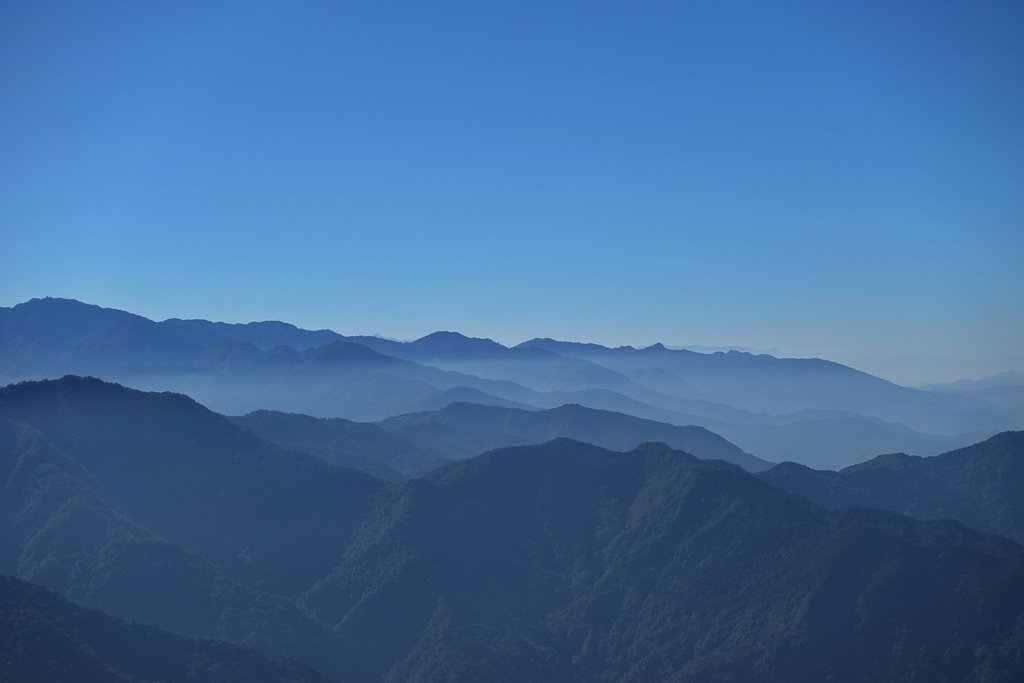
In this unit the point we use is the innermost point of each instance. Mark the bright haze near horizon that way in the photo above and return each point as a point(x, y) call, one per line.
point(841, 180)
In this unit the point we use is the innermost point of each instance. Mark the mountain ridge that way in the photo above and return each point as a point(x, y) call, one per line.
point(484, 426)
point(238, 368)
point(551, 562)
point(978, 485)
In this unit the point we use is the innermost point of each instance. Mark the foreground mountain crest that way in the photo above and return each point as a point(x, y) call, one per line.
point(559, 561)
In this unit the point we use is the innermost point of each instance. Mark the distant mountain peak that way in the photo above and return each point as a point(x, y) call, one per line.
point(52, 304)
point(447, 342)
point(448, 335)
point(345, 350)
point(443, 334)
point(549, 344)
point(57, 301)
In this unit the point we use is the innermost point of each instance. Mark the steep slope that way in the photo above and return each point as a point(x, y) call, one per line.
point(204, 560)
point(465, 429)
point(267, 516)
point(981, 485)
point(357, 445)
point(46, 638)
point(568, 562)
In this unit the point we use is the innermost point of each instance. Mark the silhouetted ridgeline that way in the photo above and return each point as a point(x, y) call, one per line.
point(358, 445)
point(553, 562)
point(466, 429)
point(414, 444)
point(981, 485)
point(808, 410)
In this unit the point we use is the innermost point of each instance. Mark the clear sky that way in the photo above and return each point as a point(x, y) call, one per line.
point(836, 179)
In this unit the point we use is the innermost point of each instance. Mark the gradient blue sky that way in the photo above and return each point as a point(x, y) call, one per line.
point(837, 179)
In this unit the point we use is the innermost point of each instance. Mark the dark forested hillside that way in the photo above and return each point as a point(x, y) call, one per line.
point(555, 562)
point(151, 507)
point(271, 517)
point(46, 638)
point(568, 562)
point(981, 485)
point(56, 529)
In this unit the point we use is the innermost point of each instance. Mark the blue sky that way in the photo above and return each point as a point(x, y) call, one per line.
point(843, 180)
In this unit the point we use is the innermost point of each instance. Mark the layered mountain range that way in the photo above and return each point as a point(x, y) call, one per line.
point(242, 542)
point(810, 411)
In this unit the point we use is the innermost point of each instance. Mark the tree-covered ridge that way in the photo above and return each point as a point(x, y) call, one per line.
point(568, 562)
point(46, 638)
point(553, 562)
point(469, 429)
point(357, 445)
point(150, 507)
point(981, 485)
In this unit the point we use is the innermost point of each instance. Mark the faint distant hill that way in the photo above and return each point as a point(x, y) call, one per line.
point(464, 429)
point(768, 406)
point(358, 445)
point(1003, 393)
point(1003, 379)
point(533, 368)
point(414, 444)
point(464, 395)
point(981, 485)
point(836, 441)
point(699, 348)
point(48, 338)
point(765, 384)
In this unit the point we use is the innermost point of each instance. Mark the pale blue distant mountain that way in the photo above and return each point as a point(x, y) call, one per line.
point(1003, 379)
point(466, 429)
point(771, 407)
point(700, 348)
point(765, 384)
point(263, 335)
point(1003, 393)
point(835, 442)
